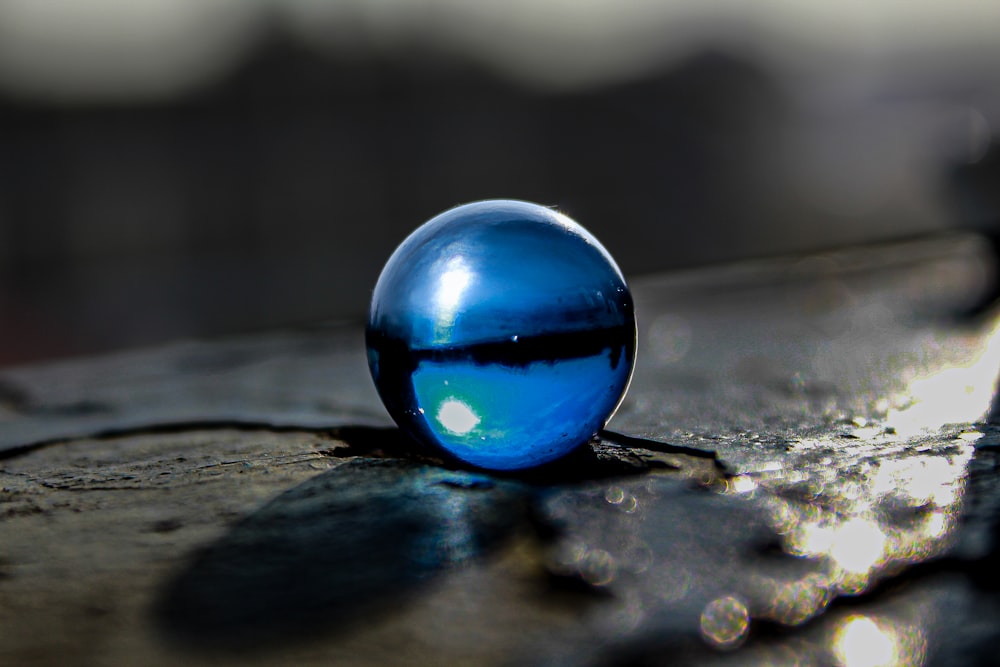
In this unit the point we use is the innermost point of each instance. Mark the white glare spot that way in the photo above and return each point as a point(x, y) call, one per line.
point(862, 643)
point(935, 525)
point(448, 295)
point(741, 484)
point(858, 545)
point(452, 285)
point(953, 395)
point(457, 417)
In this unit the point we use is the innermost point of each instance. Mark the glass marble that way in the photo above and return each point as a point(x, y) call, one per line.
point(503, 333)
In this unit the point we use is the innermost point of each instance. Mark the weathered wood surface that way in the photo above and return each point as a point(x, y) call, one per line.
point(802, 473)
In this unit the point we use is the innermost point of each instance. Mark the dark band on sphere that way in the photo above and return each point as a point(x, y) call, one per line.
point(520, 351)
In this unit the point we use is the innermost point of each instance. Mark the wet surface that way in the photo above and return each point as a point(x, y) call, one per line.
point(804, 472)
point(763, 559)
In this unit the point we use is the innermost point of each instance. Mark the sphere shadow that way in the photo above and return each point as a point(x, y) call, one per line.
point(344, 547)
point(356, 542)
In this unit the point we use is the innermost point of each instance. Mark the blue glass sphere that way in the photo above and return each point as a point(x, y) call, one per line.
point(503, 333)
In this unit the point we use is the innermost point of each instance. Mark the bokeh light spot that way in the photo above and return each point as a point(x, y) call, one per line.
point(725, 622)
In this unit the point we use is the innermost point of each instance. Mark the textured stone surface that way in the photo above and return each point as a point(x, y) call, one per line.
point(803, 472)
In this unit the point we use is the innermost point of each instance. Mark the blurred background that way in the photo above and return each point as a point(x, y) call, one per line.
point(175, 168)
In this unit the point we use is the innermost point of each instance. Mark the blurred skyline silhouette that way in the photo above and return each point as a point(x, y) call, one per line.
point(173, 168)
